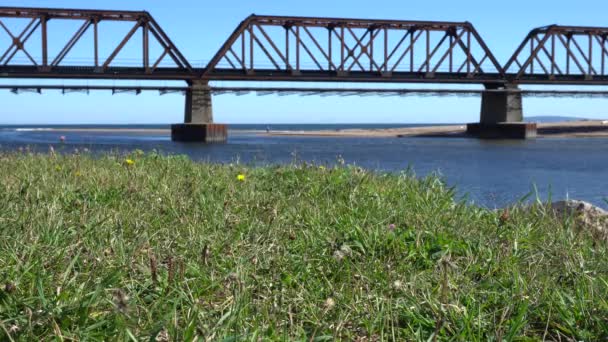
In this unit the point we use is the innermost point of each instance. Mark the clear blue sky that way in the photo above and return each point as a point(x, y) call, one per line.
point(199, 28)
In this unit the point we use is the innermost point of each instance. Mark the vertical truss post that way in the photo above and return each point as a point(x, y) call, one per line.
point(342, 60)
point(44, 38)
point(451, 52)
point(286, 46)
point(96, 40)
point(428, 49)
point(146, 47)
point(532, 56)
point(243, 52)
point(298, 48)
point(330, 30)
point(468, 51)
point(603, 42)
point(590, 72)
point(412, 45)
point(553, 55)
point(251, 48)
point(385, 49)
point(371, 49)
point(569, 37)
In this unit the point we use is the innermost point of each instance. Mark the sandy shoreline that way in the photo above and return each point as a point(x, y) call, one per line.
point(109, 130)
point(160, 131)
point(583, 128)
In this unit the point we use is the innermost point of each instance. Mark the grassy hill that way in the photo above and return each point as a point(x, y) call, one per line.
point(146, 247)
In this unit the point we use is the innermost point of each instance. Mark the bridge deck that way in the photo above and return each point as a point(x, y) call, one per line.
point(178, 74)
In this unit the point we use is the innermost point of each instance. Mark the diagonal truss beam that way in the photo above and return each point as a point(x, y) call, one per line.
point(18, 42)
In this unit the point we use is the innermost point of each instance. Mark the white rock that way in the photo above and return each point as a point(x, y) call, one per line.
point(579, 207)
point(586, 215)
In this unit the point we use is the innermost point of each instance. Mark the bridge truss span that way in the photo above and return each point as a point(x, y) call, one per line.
point(561, 55)
point(45, 57)
point(326, 49)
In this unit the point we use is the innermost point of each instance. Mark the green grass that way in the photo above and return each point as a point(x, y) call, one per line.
point(94, 249)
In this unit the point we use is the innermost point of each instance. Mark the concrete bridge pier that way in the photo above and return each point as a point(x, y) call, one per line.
point(198, 123)
point(502, 115)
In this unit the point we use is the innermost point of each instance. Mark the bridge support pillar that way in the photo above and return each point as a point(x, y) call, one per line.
point(502, 115)
point(198, 123)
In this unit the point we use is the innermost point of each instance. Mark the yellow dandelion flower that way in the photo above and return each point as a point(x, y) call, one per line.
point(58, 168)
point(129, 162)
point(322, 168)
point(241, 177)
point(96, 314)
point(78, 174)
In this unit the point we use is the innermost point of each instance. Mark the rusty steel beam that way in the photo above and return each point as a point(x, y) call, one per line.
point(65, 13)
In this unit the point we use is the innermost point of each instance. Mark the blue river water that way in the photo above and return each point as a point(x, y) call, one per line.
point(487, 173)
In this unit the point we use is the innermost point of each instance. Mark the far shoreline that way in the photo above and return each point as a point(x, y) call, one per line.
point(563, 129)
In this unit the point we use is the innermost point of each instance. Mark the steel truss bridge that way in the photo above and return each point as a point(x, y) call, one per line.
point(276, 48)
